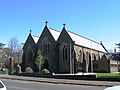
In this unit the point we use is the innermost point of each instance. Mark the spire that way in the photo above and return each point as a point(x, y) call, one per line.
point(46, 23)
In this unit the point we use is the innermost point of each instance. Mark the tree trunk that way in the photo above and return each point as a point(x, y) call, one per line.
point(39, 68)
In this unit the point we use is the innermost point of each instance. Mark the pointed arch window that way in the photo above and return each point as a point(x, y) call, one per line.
point(83, 56)
point(98, 57)
point(64, 52)
point(46, 45)
point(94, 57)
point(87, 58)
point(80, 56)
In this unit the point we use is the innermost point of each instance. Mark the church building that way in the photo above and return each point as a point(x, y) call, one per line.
point(63, 52)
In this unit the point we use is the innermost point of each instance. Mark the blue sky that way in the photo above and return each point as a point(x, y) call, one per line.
point(98, 20)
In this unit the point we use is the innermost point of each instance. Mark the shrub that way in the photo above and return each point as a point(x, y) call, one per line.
point(3, 71)
point(45, 71)
point(28, 70)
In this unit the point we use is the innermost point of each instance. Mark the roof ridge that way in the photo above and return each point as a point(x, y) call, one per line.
point(35, 36)
point(84, 37)
point(54, 29)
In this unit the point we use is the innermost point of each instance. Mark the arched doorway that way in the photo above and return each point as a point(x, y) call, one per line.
point(46, 64)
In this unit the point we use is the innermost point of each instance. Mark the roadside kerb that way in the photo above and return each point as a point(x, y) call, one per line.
point(60, 81)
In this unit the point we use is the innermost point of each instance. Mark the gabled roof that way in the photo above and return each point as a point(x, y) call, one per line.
point(35, 38)
point(54, 33)
point(82, 41)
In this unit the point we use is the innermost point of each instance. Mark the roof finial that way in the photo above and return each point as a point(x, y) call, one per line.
point(46, 22)
point(30, 31)
point(64, 25)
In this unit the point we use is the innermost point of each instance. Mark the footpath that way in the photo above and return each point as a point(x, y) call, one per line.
point(60, 81)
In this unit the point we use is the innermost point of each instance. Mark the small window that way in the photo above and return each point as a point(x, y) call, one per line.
point(94, 57)
point(80, 56)
point(113, 65)
point(87, 58)
point(64, 52)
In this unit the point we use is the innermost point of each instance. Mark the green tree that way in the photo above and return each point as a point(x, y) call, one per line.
point(39, 60)
point(2, 45)
point(118, 45)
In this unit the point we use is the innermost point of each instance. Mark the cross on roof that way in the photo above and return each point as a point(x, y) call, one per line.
point(46, 23)
point(64, 25)
point(30, 30)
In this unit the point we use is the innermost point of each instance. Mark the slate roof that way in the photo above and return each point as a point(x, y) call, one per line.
point(54, 33)
point(79, 40)
point(82, 41)
point(35, 38)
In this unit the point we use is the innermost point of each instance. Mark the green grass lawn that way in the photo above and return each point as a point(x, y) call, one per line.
point(108, 75)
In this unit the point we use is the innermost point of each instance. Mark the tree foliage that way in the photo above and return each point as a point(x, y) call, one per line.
point(118, 45)
point(2, 45)
point(13, 45)
point(39, 59)
point(15, 49)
